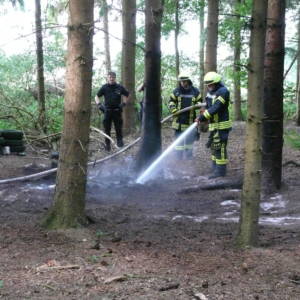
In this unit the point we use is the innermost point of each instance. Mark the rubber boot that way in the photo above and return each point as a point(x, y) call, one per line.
point(220, 171)
point(120, 143)
point(107, 145)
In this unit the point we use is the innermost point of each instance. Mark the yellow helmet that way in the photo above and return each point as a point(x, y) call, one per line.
point(211, 78)
point(183, 77)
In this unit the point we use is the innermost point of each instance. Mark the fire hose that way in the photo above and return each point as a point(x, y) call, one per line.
point(93, 163)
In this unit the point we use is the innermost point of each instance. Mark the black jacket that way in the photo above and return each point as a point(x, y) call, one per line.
point(112, 95)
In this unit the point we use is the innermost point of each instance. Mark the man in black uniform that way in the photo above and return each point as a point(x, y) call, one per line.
point(217, 103)
point(112, 107)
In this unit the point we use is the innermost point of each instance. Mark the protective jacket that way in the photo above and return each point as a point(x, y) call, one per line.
point(182, 98)
point(217, 112)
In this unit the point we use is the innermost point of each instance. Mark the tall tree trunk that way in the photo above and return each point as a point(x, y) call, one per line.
point(151, 129)
point(128, 62)
point(248, 227)
point(202, 48)
point(298, 75)
point(40, 68)
point(273, 97)
point(177, 28)
point(69, 198)
point(106, 37)
point(212, 36)
point(237, 64)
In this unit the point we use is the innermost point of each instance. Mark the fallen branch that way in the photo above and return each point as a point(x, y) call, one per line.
point(48, 268)
point(104, 134)
point(213, 186)
point(291, 162)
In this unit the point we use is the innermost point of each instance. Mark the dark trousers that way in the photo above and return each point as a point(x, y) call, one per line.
point(113, 116)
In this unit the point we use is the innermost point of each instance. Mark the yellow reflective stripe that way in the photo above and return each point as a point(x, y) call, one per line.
point(216, 118)
point(179, 103)
point(221, 161)
point(173, 110)
point(221, 99)
point(173, 96)
point(189, 146)
point(223, 152)
point(179, 148)
point(220, 125)
point(207, 114)
point(225, 124)
point(199, 97)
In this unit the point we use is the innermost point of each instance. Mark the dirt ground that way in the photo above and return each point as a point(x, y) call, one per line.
point(165, 239)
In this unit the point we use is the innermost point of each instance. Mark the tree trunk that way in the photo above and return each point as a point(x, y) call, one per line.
point(151, 129)
point(273, 97)
point(212, 36)
point(177, 28)
point(128, 62)
point(106, 37)
point(202, 48)
point(248, 227)
point(40, 68)
point(237, 65)
point(69, 199)
point(298, 76)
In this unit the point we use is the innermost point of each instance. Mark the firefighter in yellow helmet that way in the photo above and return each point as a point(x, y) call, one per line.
point(217, 113)
point(183, 96)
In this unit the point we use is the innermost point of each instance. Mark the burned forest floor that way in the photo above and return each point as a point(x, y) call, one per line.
point(170, 238)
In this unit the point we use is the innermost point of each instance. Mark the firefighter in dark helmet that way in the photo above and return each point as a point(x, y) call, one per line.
point(183, 96)
point(217, 113)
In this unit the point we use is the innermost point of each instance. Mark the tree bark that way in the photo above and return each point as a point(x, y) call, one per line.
point(69, 199)
point(106, 37)
point(151, 128)
point(248, 226)
point(202, 48)
point(298, 76)
point(177, 28)
point(128, 62)
point(40, 68)
point(237, 65)
point(212, 36)
point(273, 97)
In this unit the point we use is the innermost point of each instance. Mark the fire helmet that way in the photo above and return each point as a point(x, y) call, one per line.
point(211, 78)
point(183, 77)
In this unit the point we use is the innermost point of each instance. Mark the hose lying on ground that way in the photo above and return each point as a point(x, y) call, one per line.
point(51, 171)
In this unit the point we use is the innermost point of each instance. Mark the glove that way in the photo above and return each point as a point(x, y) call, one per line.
point(201, 118)
point(122, 105)
point(101, 107)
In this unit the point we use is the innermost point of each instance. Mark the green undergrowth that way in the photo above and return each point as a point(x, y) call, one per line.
point(292, 138)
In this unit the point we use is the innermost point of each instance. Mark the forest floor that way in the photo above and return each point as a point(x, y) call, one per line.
point(171, 238)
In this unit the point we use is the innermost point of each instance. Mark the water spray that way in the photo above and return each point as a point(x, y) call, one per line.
point(147, 173)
